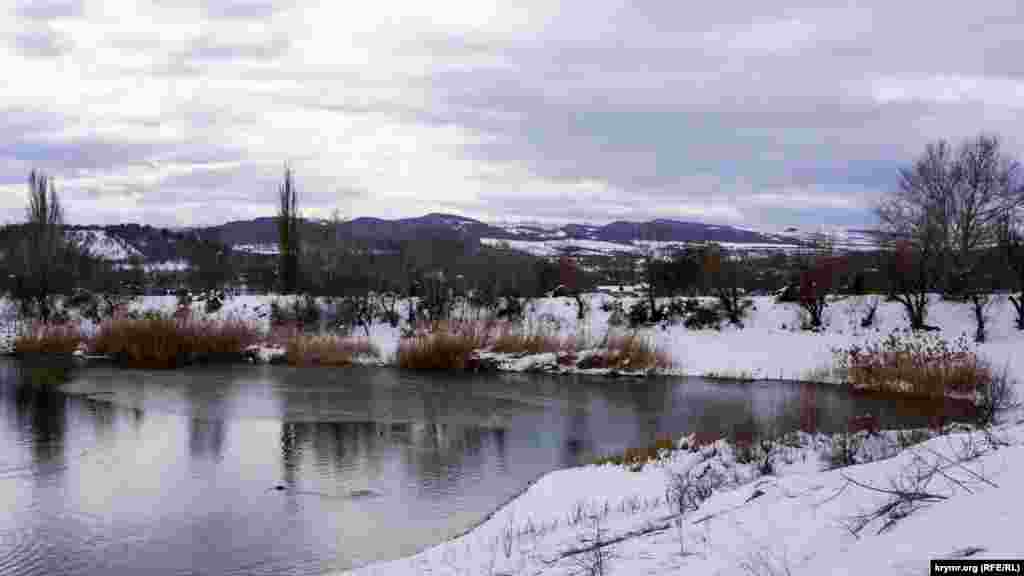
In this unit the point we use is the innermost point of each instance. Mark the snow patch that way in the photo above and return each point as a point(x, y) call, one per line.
point(99, 244)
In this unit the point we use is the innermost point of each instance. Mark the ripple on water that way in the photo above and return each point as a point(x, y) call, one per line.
point(28, 552)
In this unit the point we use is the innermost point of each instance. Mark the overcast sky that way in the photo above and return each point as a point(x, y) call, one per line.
point(742, 112)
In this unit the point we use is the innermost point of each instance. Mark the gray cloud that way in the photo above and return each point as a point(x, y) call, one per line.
point(42, 42)
point(49, 9)
point(658, 94)
point(208, 50)
point(249, 10)
point(208, 47)
point(752, 111)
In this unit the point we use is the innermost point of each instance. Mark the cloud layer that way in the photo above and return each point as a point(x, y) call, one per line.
point(176, 113)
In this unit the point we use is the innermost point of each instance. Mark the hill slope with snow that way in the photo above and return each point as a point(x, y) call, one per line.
point(100, 244)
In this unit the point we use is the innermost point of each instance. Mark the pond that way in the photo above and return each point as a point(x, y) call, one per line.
point(278, 470)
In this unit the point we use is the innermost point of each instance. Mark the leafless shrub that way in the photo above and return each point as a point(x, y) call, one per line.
point(908, 438)
point(686, 491)
point(595, 557)
point(843, 452)
point(764, 563)
point(912, 489)
point(765, 457)
point(995, 396)
point(506, 539)
point(868, 320)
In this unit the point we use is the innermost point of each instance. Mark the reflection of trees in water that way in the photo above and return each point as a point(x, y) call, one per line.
point(42, 412)
point(436, 453)
point(291, 451)
point(443, 453)
point(205, 438)
point(137, 417)
point(441, 428)
point(809, 408)
point(206, 427)
point(578, 437)
point(102, 415)
point(650, 402)
point(501, 449)
point(336, 447)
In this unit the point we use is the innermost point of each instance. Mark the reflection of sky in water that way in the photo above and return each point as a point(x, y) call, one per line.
point(132, 471)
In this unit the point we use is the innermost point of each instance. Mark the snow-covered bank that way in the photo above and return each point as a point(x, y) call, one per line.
point(771, 344)
point(800, 520)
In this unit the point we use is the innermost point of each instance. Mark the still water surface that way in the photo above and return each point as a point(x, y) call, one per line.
point(110, 471)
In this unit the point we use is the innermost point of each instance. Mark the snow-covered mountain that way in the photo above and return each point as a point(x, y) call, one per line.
point(259, 236)
point(663, 235)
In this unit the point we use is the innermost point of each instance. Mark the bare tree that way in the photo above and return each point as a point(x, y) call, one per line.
point(571, 279)
point(288, 234)
point(1011, 248)
point(40, 258)
point(653, 274)
point(991, 186)
point(818, 280)
point(595, 557)
point(913, 272)
point(949, 203)
point(724, 273)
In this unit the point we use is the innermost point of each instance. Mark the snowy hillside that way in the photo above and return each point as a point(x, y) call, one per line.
point(547, 248)
point(628, 237)
point(100, 244)
point(256, 248)
point(588, 247)
point(844, 238)
point(164, 266)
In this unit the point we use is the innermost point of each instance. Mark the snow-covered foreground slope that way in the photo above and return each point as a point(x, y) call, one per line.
point(795, 522)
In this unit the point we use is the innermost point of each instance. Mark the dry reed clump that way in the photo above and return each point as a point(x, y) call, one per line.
point(536, 340)
point(327, 350)
point(444, 345)
point(628, 351)
point(48, 339)
point(916, 364)
point(450, 346)
point(166, 342)
point(281, 335)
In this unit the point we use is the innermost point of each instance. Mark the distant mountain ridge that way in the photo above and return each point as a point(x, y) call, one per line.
point(157, 244)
